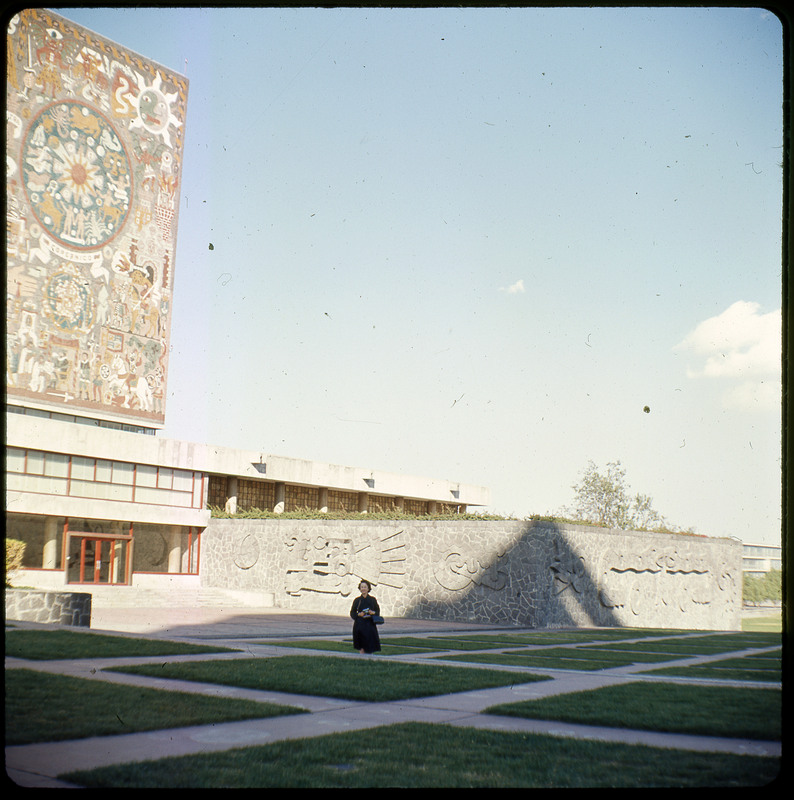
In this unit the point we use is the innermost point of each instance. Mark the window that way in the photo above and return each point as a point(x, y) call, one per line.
point(101, 478)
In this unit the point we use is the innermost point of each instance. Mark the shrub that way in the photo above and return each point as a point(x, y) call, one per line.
point(15, 550)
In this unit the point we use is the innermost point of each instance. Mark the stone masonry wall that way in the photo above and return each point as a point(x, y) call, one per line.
point(61, 608)
point(534, 574)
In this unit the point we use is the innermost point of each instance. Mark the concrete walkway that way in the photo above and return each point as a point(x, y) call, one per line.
point(37, 765)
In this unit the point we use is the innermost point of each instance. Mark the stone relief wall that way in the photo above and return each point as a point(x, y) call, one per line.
point(531, 574)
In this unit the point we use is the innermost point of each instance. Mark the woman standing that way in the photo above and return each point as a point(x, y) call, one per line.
point(365, 634)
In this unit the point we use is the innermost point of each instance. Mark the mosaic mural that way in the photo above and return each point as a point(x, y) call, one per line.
point(93, 162)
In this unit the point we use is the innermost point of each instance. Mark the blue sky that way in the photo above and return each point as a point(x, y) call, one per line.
point(475, 243)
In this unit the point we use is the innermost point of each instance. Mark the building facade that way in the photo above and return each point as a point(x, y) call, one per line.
point(98, 505)
point(758, 559)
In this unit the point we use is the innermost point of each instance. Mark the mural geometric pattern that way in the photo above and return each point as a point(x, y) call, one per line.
point(94, 150)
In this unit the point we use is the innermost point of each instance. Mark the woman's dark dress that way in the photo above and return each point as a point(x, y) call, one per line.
point(365, 632)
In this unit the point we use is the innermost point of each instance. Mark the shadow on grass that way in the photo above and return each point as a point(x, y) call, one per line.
point(416, 755)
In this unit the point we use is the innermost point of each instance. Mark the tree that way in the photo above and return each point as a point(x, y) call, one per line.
point(604, 499)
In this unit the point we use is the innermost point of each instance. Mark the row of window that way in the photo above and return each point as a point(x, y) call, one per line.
point(104, 479)
point(76, 418)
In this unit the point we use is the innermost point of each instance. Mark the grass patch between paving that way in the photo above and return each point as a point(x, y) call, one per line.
point(365, 679)
point(61, 644)
point(586, 659)
point(40, 707)
point(416, 755)
point(332, 646)
point(672, 708)
point(759, 667)
point(770, 622)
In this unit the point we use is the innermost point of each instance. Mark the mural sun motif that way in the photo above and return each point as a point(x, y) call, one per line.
point(154, 109)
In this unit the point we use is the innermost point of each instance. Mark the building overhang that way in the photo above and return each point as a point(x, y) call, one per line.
point(38, 433)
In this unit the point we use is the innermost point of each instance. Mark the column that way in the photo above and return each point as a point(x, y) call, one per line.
point(281, 498)
point(322, 496)
point(231, 494)
point(49, 556)
point(175, 550)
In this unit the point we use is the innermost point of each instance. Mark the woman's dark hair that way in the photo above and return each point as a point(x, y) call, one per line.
point(369, 585)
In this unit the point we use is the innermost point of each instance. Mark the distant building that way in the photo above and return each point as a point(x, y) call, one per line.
point(758, 559)
point(94, 155)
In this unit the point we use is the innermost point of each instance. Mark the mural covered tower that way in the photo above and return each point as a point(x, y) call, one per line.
point(94, 148)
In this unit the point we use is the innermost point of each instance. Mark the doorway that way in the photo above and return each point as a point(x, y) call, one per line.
point(97, 559)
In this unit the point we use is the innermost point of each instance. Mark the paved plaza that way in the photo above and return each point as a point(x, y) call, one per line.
point(248, 631)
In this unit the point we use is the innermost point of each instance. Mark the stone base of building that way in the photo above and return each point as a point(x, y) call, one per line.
point(60, 608)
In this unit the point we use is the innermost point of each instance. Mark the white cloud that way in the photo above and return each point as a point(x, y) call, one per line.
point(516, 288)
point(741, 344)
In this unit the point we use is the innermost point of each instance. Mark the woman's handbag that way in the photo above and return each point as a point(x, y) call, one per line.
point(376, 619)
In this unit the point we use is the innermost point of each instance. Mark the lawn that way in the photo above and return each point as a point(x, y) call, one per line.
point(363, 679)
point(333, 646)
point(40, 707)
point(415, 755)
point(771, 622)
point(44, 645)
point(672, 708)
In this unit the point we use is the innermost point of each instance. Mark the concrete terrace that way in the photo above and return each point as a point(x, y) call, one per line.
point(37, 765)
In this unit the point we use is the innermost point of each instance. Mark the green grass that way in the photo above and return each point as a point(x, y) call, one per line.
point(40, 707)
point(59, 644)
point(772, 622)
point(331, 646)
point(364, 679)
point(672, 708)
point(414, 755)
point(447, 643)
point(587, 659)
point(759, 667)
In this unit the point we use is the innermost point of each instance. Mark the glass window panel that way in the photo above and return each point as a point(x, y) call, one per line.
point(144, 494)
point(183, 480)
point(104, 470)
point(198, 499)
point(57, 465)
point(81, 488)
point(16, 483)
point(45, 485)
point(82, 468)
point(179, 499)
point(35, 465)
point(165, 478)
point(145, 475)
point(15, 460)
point(116, 491)
point(122, 472)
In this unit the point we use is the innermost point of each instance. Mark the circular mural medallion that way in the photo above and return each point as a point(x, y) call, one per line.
point(77, 175)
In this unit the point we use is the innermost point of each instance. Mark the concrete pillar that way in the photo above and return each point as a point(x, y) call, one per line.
point(231, 494)
point(322, 496)
point(175, 551)
point(431, 507)
point(281, 498)
point(399, 503)
point(363, 502)
point(49, 556)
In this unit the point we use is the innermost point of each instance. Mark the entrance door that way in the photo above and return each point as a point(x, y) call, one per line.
point(97, 560)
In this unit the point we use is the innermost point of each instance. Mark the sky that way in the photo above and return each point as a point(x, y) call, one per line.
point(486, 245)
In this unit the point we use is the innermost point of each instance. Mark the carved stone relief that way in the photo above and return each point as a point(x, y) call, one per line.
point(675, 578)
point(328, 564)
point(457, 572)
